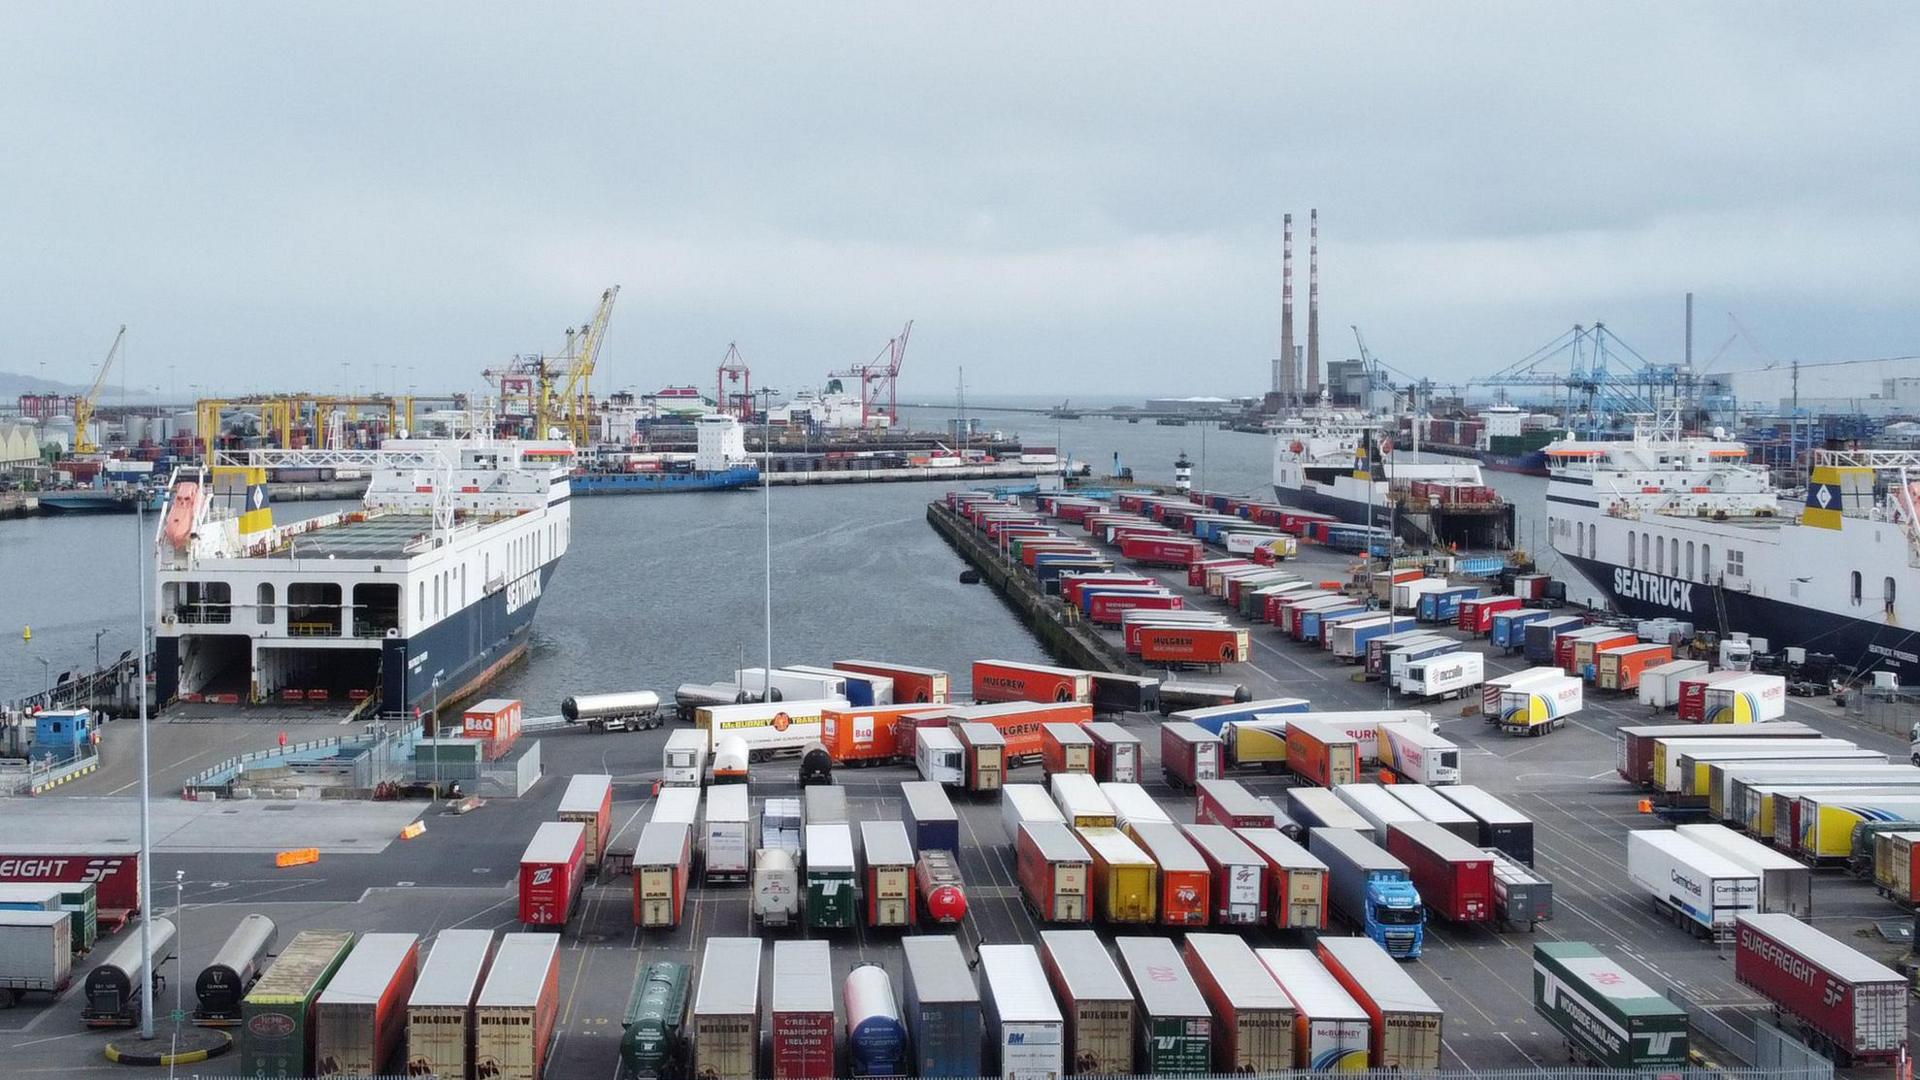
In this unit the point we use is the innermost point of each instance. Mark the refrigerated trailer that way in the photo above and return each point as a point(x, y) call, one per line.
point(1786, 884)
point(1414, 752)
point(1701, 890)
point(1023, 1022)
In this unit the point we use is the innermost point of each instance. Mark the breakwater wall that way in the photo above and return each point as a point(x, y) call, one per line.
point(1072, 643)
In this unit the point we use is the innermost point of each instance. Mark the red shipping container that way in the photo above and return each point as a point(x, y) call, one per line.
point(1021, 722)
point(910, 684)
point(1693, 695)
point(1055, 872)
point(867, 735)
point(1194, 645)
point(1229, 803)
point(1475, 614)
point(1005, 680)
point(495, 722)
point(114, 869)
point(1189, 754)
point(1455, 879)
point(1106, 607)
point(1065, 748)
point(1186, 884)
point(552, 873)
point(1137, 629)
point(1152, 551)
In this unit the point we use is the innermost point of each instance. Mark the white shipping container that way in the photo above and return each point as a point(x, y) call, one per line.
point(791, 685)
point(1491, 690)
point(940, 757)
point(1081, 802)
point(1416, 753)
point(680, 805)
point(724, 835)
point(1021, 803)
point(1449, 675)
point(1338, 1029)
point(1660, 684)
point(683, 763)
point(1132, 805)
point(1024, 1024)
point(36, 950)
point(1706, 889)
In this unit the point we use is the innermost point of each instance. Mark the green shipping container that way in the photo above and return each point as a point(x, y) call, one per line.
point(83, 900)
point(276, 1017)
point(1176, 1026)
point(1608, 1017)
point(830, 877)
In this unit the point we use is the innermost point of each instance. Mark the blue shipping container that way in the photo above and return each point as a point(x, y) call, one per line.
point(1540, 635)
point(1311, 621)
point(1444, 605)
point(1510, 627)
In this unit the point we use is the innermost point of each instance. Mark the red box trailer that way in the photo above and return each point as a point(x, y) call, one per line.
point(495, 722)
point(1454, 878)
point(113, 868)
point(1846, 999)
point(1229, 803)
point(1116, 753)
point(1072, 585)
point(1239, 875)
point(1055, 871)
point(911, 685)
point(802, 1008)
point(1189, 754)
point(552, 873)
point(360, 1019)
point(1186, 883)
point(1106, 608)
point(865, 735)
point(1693, 695)
point(589, 801)
point(1475, 614)
point(1620, 666)
point(1006, 680)
point(1206, 645)
point(1066, 748)
point(985, 750)
point(1197, 572)
point(1160, 551)
point(1321, 753)
point(886, 857)
point(662, 866)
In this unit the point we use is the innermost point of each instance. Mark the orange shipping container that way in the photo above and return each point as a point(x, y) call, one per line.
point(1620, 667)
point(925, 686)
point(1020, 723)
point(1186, 884)
point(496, 722)
point(1005, 680)
point(864, 736)
point(1194, 645)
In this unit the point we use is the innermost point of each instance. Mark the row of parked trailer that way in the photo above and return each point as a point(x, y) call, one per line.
point(1069, 1005)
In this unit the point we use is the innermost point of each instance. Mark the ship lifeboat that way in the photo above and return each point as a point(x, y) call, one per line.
point(1296, 446)
point(179, 524)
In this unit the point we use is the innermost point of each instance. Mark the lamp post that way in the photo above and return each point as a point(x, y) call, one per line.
point(97, 635)
point(146, 789)
point(46, 669)
point(180, 950)
point(436, 736)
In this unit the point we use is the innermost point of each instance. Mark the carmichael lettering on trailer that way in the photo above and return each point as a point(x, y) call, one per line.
point(1654, 589)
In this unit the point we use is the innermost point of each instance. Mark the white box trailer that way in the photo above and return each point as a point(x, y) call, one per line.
point(724, 837)
point(679, 805)
point(1407, 594)
point(1024, 1026)
point(1491, 690)
point(1081, 802)
point(783, 684)
point(1541, 707)
point(1021, 803)
point(1437, 808)
point(862, 689)
point(1700, 889)
point(1786, 883)
point(938, 755)
point(1381, 810)
point(1660, 684)
point(1132, 805)
point(1448, 675)
point(1337, 1030)
point(1749, 699)
point(683, 762)
point(1363, 726)
point(768, 728)
point(1417, 753)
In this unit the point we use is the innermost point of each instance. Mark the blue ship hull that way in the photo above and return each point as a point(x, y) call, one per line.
point(664, 483)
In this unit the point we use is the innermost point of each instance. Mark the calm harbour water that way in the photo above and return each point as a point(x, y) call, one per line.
point(658, 591)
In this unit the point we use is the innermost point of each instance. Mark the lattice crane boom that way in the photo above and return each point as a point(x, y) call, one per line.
point(83, 408)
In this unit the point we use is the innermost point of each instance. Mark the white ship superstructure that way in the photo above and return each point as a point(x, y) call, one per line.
point(1667, 525)
point(427, 589)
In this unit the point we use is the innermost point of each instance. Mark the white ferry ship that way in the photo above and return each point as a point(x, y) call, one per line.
point(1333, 462)
point(1667, 525)
point(428, 589)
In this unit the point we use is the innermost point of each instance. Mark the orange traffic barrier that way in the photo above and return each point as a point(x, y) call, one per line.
point(1646, 806)
point(413, 830)
point(297, 857)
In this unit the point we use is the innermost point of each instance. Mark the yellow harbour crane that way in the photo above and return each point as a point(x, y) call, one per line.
point(556, 392)
point(83, 408)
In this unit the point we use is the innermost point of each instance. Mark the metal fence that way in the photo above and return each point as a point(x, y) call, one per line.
point(1891, 711)
point(1555, 1072)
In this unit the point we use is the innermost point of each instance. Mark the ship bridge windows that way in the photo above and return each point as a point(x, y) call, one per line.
point(1673, 556)
point(376, 608)
point(1659, 556)
point(1736, 563)
point(203, 601)
point(1646, 541)
point(313, 609)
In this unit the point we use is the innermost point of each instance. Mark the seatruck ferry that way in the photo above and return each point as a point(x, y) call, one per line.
point(425, 591)
point(1670, 525)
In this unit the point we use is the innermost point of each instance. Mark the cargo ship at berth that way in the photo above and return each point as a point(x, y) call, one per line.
point(719, 463)
point(1504, 438)
point(1667, 525)
point(427, 590)
point(1335, 463)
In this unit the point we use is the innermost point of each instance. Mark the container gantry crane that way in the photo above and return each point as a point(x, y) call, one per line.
point(84, 407)
point(734, 369)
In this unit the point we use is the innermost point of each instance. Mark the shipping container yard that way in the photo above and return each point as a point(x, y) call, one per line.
point(1276, 832)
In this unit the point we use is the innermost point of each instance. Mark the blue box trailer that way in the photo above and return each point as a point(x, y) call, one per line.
point(1215, 717)
point(929, 817)
point(1048, 568)
point(1311, 622)
point(942, 1008)
point(1541, 633)
point(1443, 605)
point(1087, 594)
point(1398, 624)
point(1510, 627)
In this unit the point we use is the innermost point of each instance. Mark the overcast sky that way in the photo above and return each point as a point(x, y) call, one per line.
point(1064, 198)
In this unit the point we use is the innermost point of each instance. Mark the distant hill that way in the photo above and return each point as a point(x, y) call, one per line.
point(13, 384)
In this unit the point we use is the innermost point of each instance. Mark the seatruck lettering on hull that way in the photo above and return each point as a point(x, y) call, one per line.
point(525, 590)
point(1653, 589)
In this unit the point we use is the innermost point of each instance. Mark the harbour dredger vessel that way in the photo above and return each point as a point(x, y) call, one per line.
point(425, 591)
point(1684, 527)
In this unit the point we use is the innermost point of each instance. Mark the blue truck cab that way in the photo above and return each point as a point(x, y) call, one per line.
point(1372, 890)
